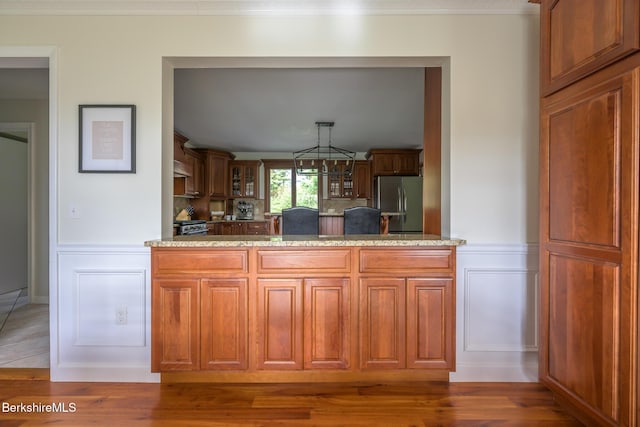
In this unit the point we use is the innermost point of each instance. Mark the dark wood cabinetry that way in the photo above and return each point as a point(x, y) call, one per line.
point(216, 173)
point(589, 207)
point(350, 181)
point(362, 182)
point(243, 178)
point(188, 169)
point(394, 162)
point(229, 228)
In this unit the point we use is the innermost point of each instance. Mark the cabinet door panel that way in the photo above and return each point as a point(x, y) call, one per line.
point(589, 245)
point(280, 323)
point(224, 324)
point(583, 165)
point(326, 323)
point(382, 323)
point(584, 35)
point(583, 330)
point(430, 334)
point(175, 327)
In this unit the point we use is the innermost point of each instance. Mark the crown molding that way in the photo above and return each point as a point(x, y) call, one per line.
point(265, 7)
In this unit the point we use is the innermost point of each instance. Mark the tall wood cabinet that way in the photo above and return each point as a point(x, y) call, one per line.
point(589, 207)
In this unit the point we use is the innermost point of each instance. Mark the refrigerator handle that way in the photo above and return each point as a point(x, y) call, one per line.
point(404, 205)
point(400, 199)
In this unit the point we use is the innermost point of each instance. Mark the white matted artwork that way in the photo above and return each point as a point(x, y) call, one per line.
point(107, 138)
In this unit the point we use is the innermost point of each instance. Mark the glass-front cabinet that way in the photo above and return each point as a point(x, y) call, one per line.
point(244, 178)
point(340, 179)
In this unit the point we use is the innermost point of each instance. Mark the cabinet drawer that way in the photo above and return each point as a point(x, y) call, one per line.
point(304, 261)
point(405, 260)
point(182, 261)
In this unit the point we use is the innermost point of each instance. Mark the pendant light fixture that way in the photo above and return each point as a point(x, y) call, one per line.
point(321, 159)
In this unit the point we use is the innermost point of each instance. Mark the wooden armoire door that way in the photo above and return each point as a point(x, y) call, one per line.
point(589, 245)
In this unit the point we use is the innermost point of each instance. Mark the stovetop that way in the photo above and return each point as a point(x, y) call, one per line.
point(190, 222)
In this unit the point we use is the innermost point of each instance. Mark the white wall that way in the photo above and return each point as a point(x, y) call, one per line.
point(36, 111)
point(490, 117)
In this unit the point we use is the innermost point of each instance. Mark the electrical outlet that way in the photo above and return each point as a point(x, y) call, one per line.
point(121, 316)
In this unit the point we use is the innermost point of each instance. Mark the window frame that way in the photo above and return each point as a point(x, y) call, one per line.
point(285, 164)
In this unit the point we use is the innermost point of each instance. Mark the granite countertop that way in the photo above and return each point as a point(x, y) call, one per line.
point(269, 214)
point(301, 241)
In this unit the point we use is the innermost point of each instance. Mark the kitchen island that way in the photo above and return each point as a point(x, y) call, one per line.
point(303, 308)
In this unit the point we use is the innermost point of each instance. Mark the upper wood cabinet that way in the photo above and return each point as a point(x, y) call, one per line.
point(362, 182)
point(340, 180)
point(216, 173)
point(394, 162)
point(243, 178)
point(188, 169)
point(579, 37)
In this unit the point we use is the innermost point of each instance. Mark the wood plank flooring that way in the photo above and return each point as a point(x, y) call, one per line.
point(398, 404)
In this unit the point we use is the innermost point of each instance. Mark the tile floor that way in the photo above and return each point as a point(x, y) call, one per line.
point(24, 332)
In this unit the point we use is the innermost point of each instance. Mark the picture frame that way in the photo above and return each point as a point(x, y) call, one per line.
point(107, 139)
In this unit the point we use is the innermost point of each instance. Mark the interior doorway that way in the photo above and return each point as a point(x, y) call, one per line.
point(24, 185)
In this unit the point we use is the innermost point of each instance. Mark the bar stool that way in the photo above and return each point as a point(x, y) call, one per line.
point(300, 220)
point(361, 220)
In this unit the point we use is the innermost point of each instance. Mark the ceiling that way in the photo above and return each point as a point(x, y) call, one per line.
point(261, 110)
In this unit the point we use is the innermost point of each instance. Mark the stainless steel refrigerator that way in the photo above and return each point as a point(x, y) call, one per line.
point(403, 195)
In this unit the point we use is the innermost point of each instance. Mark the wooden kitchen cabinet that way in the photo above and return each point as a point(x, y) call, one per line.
point(582, 36)
point(188, 169)
point(229, 228)
point(224, 323)
point(327, 322)
point(340, 179)
point(243, 178)
point(362, 182)
point(407, 320)
point(280, 324)
point(404, 323)
point(176, 326)
point(303, 313)
point(589, 199)
point(394, 162)
point(304, 323)
point(216, 166)
point(382, 323)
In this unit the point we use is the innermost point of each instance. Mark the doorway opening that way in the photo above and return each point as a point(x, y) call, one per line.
point(24, 184)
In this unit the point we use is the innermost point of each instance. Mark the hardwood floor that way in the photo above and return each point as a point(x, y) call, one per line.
point(399, 404)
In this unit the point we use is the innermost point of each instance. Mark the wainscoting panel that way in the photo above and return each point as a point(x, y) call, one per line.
point(102, 315)
point(496, 316)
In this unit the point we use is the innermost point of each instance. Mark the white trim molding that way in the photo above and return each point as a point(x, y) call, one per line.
point(266, 7)
point(497, 313)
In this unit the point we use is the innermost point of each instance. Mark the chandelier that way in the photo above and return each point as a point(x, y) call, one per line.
point(323, 160)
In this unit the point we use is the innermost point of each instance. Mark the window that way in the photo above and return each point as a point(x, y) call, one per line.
point(285, 189)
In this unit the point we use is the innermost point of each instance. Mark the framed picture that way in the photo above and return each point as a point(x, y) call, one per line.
point(107, 139)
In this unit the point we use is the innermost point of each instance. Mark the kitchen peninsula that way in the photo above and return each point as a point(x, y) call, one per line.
point(303, 308)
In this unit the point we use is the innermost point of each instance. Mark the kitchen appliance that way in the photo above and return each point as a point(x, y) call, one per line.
point(245, 210)
point(402, 195)
point(191, 227)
